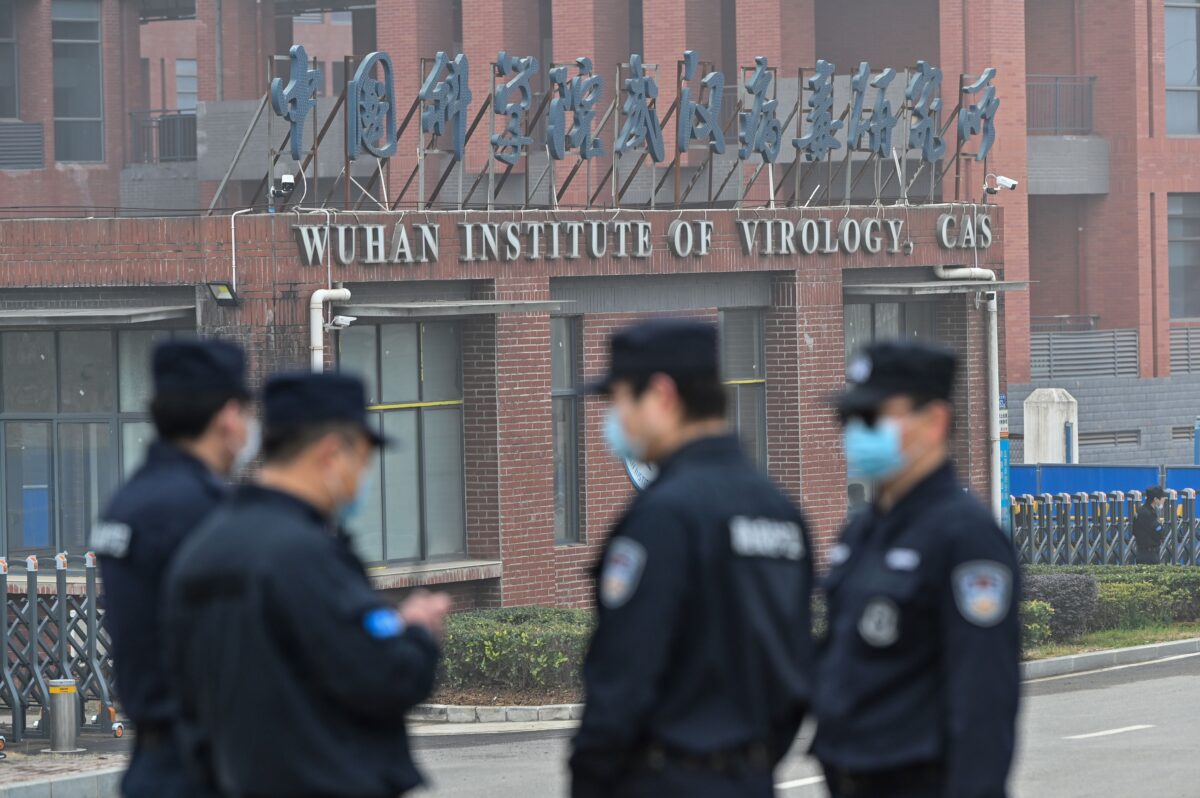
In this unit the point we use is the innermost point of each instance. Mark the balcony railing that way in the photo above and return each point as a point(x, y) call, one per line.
point(162, 136)
point(1059, 105)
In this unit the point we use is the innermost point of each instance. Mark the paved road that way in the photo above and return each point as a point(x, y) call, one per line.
point(1124, 732)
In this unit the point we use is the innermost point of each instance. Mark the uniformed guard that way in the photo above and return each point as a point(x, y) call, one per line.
point(917, 681)
point(697, 677)
point(297, 671)
point(201, 413)
point(1148, 526)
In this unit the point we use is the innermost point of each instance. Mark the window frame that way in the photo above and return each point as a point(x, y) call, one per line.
point(16, 63)
point(568, 395)
point(195, 93)
point(420, 407)
point(1194, 6)
point(1195, 215)
point(114, 419)
point(99, 42)
point(737, 389)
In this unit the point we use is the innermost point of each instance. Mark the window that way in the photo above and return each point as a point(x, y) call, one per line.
point(8, 59)
point(564, 382)
point(413, 377)
point(186, 88)
point(744, 372)
point(1183, 242)
point(1182, 18)
point(74, 420)
point(78, 85)
point(636, 27)
point(341, 17)
point(881, 321)
point(309, 17)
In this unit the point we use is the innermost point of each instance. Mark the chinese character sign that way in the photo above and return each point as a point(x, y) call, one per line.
point(696, 121)
point(371, 110)
point(879, 125)
point(512, 100)
point(924, 94)
point(641, 127)
point(444, 101)
point(294, 101)
point(979, 118)
point(759, 129)
point(821, 138)
point(577, 96)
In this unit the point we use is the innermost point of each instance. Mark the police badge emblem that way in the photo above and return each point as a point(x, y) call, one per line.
point(880, 622)
point(982, 589)
point(621, 572)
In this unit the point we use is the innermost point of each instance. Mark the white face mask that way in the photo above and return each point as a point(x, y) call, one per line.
point(245, 456)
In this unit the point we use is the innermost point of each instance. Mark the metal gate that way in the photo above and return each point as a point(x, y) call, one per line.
point(49, 632)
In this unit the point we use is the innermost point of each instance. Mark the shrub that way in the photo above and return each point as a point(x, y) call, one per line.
point(1180, 583)
point(516, 648)
point(1036, 617)
point(1129, 605)
point(1072, 596)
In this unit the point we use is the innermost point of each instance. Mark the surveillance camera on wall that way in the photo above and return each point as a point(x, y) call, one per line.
point(342, 322)
point(287, 184)
point(1006, 182)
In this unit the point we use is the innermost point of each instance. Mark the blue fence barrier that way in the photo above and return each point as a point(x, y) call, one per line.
point(1056, 478)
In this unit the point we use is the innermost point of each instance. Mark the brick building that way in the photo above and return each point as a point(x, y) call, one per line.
point(504, 490)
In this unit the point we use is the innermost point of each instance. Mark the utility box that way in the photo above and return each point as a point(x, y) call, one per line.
point(1051, 427)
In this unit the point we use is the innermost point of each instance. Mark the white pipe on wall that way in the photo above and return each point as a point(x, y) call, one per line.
point(316, 323)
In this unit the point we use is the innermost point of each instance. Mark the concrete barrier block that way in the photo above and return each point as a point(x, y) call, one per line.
point(460, 714)
point(554, 712)
point(429, 712)
point(490, 714)
point(521, 714)
point(576, 711)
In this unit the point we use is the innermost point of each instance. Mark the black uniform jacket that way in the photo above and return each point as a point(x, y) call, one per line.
point(287, 661)
point(703, 638)
point(921, 660)
point(145, 524)
point(1148, 532)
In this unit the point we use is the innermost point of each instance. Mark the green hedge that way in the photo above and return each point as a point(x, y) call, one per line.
point(1130, 605)
point(1036, 619)
point(1073, 597)
point(1181, 583)
point(1128, 596)
point(518, 648)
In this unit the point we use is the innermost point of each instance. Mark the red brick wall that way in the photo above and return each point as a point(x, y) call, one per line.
point(883, 32)
point(1050, 36)
point(1054, 256)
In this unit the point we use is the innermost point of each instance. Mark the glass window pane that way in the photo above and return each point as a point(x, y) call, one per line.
point(86, 376)
point(919, 321)
point(87, 478)
point(75, 9)
point(78, 141)
point(135, 348)
point(752, 422)
point(856, 321)
point(75, 32)
point(8, 80)
point(77, 89)
point(29, 519)
point(357, 349)
point(185, 66)
point(566, 484)
point(136, 437)
point(28, 372)
point(442, 469)
point(1183, 113)
point(441, 366)
point(366, 531)
point(562, 353)
point(402, 485)
point(1180, 44)
point(887, 321)
point(399, 362)
point(741, 345)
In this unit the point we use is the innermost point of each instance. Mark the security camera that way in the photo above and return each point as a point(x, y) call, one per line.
point(287, 184)
point(1006, 182)
point(342, 322)
point(1001, 183)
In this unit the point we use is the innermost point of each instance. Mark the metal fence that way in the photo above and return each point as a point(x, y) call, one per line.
point(1095, 353)
point(1097, 528)
point(53, 632)
point(1059, 105)
point(162, 136)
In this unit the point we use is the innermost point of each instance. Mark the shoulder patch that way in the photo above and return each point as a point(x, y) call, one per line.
point(766, 537)
point(111, 538)
point(383, 623)
point(982, 591)
point(622, 571)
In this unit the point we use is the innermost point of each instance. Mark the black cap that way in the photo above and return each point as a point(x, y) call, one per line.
point(208, 367)
point(895, 368)
point(1155, 492)
point(304, 399)
point(675, 347)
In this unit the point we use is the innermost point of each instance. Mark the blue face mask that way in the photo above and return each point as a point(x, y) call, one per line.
point(618, 442)
point(873, 452)
point(354, 508)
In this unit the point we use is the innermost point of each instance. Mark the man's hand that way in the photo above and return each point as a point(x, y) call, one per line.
point(426, 609)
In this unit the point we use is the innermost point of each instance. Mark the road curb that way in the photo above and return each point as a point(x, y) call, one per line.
point(1095, 660)
point(95, 784)
point(448, 713)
